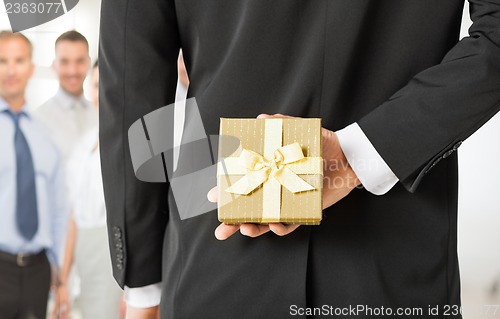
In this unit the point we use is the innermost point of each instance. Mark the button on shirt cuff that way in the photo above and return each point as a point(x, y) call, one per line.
point(366, 162)
point(143, 297)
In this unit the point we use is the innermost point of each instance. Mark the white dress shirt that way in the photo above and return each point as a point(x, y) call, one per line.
point(85, 183)
point(68, 118)
point(370, 168)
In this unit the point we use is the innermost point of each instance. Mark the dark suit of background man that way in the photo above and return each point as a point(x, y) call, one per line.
point(391, 72)
point(33, 211)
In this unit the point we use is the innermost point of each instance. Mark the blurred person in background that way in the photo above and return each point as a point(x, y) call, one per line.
point(69, 114)
point(34, 212)
point(87, 245)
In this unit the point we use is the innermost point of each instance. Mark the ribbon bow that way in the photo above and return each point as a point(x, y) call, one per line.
point(260, 169)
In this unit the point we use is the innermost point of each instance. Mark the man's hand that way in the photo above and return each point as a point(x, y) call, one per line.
point(338, 181)
point(61, 308)
point(143, 313)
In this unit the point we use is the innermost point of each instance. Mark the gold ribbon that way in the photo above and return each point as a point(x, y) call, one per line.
point(260, 169)
point(279, 166)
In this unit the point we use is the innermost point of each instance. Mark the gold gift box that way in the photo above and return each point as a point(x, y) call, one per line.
point(271, 171)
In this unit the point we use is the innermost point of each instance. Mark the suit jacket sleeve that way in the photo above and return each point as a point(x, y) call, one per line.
point(139, 47)
point(427, 120)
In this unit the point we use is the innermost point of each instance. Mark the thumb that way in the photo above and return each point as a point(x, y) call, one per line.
point(264, 116)
point(277, 115)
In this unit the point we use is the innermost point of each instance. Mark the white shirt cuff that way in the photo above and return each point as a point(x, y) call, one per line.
point(366, 162)
point(143, 297)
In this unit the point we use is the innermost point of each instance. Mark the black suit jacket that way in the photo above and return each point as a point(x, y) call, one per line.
point(394, 66)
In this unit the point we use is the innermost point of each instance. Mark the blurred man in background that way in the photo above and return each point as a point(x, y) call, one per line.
point(34, 212)
point(68, 114)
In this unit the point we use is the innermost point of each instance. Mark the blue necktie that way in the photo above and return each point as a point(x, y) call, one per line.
point(26, 205)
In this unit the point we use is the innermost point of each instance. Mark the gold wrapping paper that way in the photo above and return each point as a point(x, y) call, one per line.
point(277, 199)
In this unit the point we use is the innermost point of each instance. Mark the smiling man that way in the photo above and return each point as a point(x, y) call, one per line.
point(33, 211)
point(68, 114)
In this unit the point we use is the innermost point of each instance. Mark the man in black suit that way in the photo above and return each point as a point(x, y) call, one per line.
point(389, 77)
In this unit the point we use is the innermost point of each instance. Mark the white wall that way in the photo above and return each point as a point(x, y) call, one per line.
point(479, 211)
